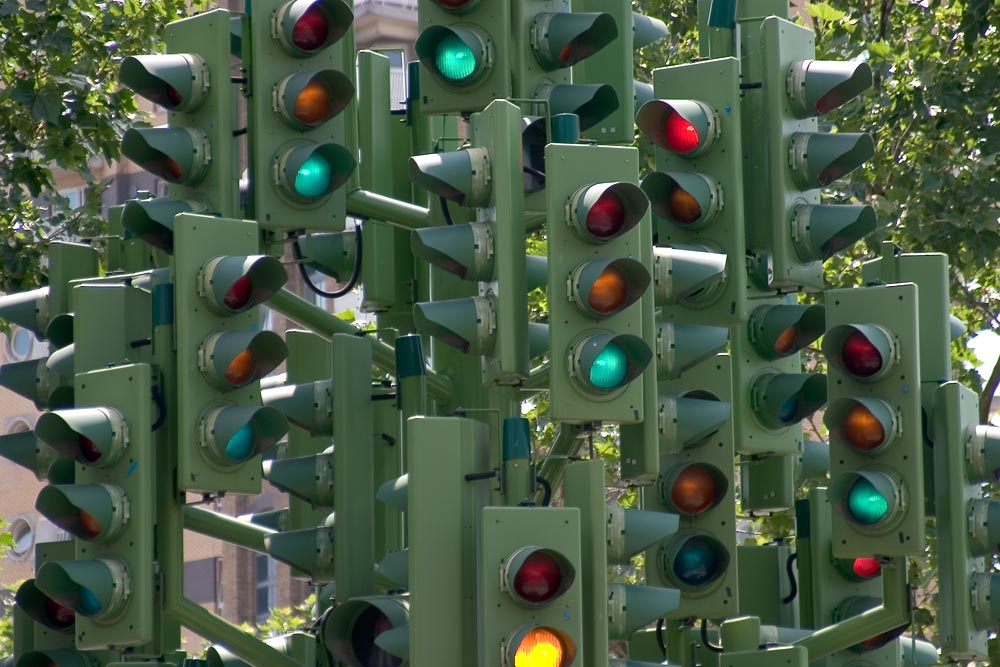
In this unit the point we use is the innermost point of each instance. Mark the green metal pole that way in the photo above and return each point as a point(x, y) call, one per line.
point(566, 445)
point(226, 528)
point(318, 320)
point(368, 204)
point(246, 647)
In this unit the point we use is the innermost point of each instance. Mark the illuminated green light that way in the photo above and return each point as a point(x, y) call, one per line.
point(865, 503)
point(454, 59)
point(610, 367)
point(89, 604)
point(313, 178)
point(240, 446)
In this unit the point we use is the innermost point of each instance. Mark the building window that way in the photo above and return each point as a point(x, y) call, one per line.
point(74, 197)
point(266, 587)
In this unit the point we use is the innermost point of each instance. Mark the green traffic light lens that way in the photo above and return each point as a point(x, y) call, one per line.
point(454, 59)
point(866, 504)
point(610, 367)
point(697, 562)
point(313, 178)
point(240, 446)
point(788, 409)
point(89, 604)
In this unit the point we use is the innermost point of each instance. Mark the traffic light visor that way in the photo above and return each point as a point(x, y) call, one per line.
point(235, 283)
point(460, 176)
point(602, 288)
point(820, 158)
point(820, 232)
point(604, 211)
point(816, 87)
point(152, 220)
point(535, 576)
point(176, 81)
point(233, 434)
point(866, 352)
point(685, 127)
point(306, 100)
point(306, 27)
point(782, 399)
point(352, 628)
point(234, 359)
point(457, 56)
point(178, 155)
point(866, 425)
point(43, 609)
point(688, 200)
point(90, 436)
point(90, 512)
point(778, 331)
point(95, 588)
point(565, 38)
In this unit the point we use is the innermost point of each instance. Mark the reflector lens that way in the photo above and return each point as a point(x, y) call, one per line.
point(59, 615)
point(88, 449)
point(89, 524)
point(312, 106)
point(865, 504)
point(538, 579)
point(680, 134)
point(240, 369)
point(607, 293)
point(89, 604)
point(697, 562)
point(539, 648)
point(683, 206)
point(694, 490)
point(240, 445)
point(866, 567)
point(863, 429)
point(785, 343)
point(861, 357)
point(238, 295)
point(313, 178)
point(606, 216)
point(610, 367)
point(312, 29)
point(454, 59)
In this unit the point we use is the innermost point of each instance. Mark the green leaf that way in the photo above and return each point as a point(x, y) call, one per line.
point(824, 11)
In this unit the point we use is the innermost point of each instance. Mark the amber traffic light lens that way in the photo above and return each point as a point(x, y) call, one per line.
point(539, 648)
point(863, 429)
point(607, 294)
point(240, 369)
point(683, 206)
point(785, 343)
point(312, 105)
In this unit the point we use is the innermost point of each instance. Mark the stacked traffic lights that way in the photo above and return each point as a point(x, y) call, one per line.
point(530, 604)
point(597, 219)
point(221, 354)
point(789, 160)
point(196, 154)
point(301, 79)
point(108, 509)
point(874, 420)
point(965, 458)
point(491, 251)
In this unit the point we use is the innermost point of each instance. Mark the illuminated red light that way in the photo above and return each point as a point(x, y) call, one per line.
point(538, 579)
point(238, 295)
point(606, 216)
point(680, 134)
point(860, 355)
point(454, 4)
point(59, 615)
point(866, 567)
point(311, 31)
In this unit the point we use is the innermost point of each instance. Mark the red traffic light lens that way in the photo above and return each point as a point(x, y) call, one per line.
point(607, 293)
point(861, 357)
point(60, 616)
point(88, 449)
point(241, 369)
point(370, 624)
point(313, 103)
point(540, 647)
point(862, 428)
point(454, 4)
point(311, 31)
point(238, 295)
point(607, 216)
point(680, 134)
point(694, 490)
point(866, 568)
point(683, 206)
point(539, 578)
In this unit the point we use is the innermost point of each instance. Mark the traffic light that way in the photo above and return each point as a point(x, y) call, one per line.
point(965, 458)
point(874, 420)
point(530, 593)
point(773, 394)
point(109, 509)
point(221, 354)
point(788, 160)
point(301, 79)
point(597, 216)
point(696, 194)
point(357, 632)
point(196, 154)
point(491, 251)
point(697, 483)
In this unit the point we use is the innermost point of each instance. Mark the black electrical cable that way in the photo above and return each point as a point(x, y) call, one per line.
point(547, 488)
point(659, 637)
point(445, 212)
point(355, 273)
point(704, 638)
point(791, 578)
point(537, 173)
point(161, 409)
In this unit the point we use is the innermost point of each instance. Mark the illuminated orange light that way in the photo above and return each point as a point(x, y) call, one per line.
point(312, 106)
point(693, 491)
point(785, 343)
point(174, 169)
point(240, 370)
point(539, 648)
point(863, 429)
point(607, 294)
point(90, 525)
point(684, 207)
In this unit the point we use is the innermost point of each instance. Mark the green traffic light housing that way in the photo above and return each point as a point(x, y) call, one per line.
point(685, 127)
point(233, 359)
point(466, 250)
point(461, 176)
point(175, 81)
point(693, 275)
point(306, 27)
point(352, 630)
point(688, 420)
point(306, 172)
point(816, 87)
point(152, 220)
point(178, 155)
point(40, 381)
point(602, 288)
point(231, 284)
point(590, 102)
point(602, 363)
point(565, 38)
point(456, 56)
point(59, 657)
point(307, 405)
point(43, 609)
point(28, 310)
point(90, 512)
point(307, 477)
point(306, 100)
point(866, 352)
point(693, 561)
point(467, 324)
point(604, 211)
point(333, 254)
point(781, 330)
point(89, 436)
point(820, 158)
point(690, 200)
point(232, 434)
point(779, 400)
point(24, 449)
point(310, 550)
point(820, 232)
point(94, 588)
